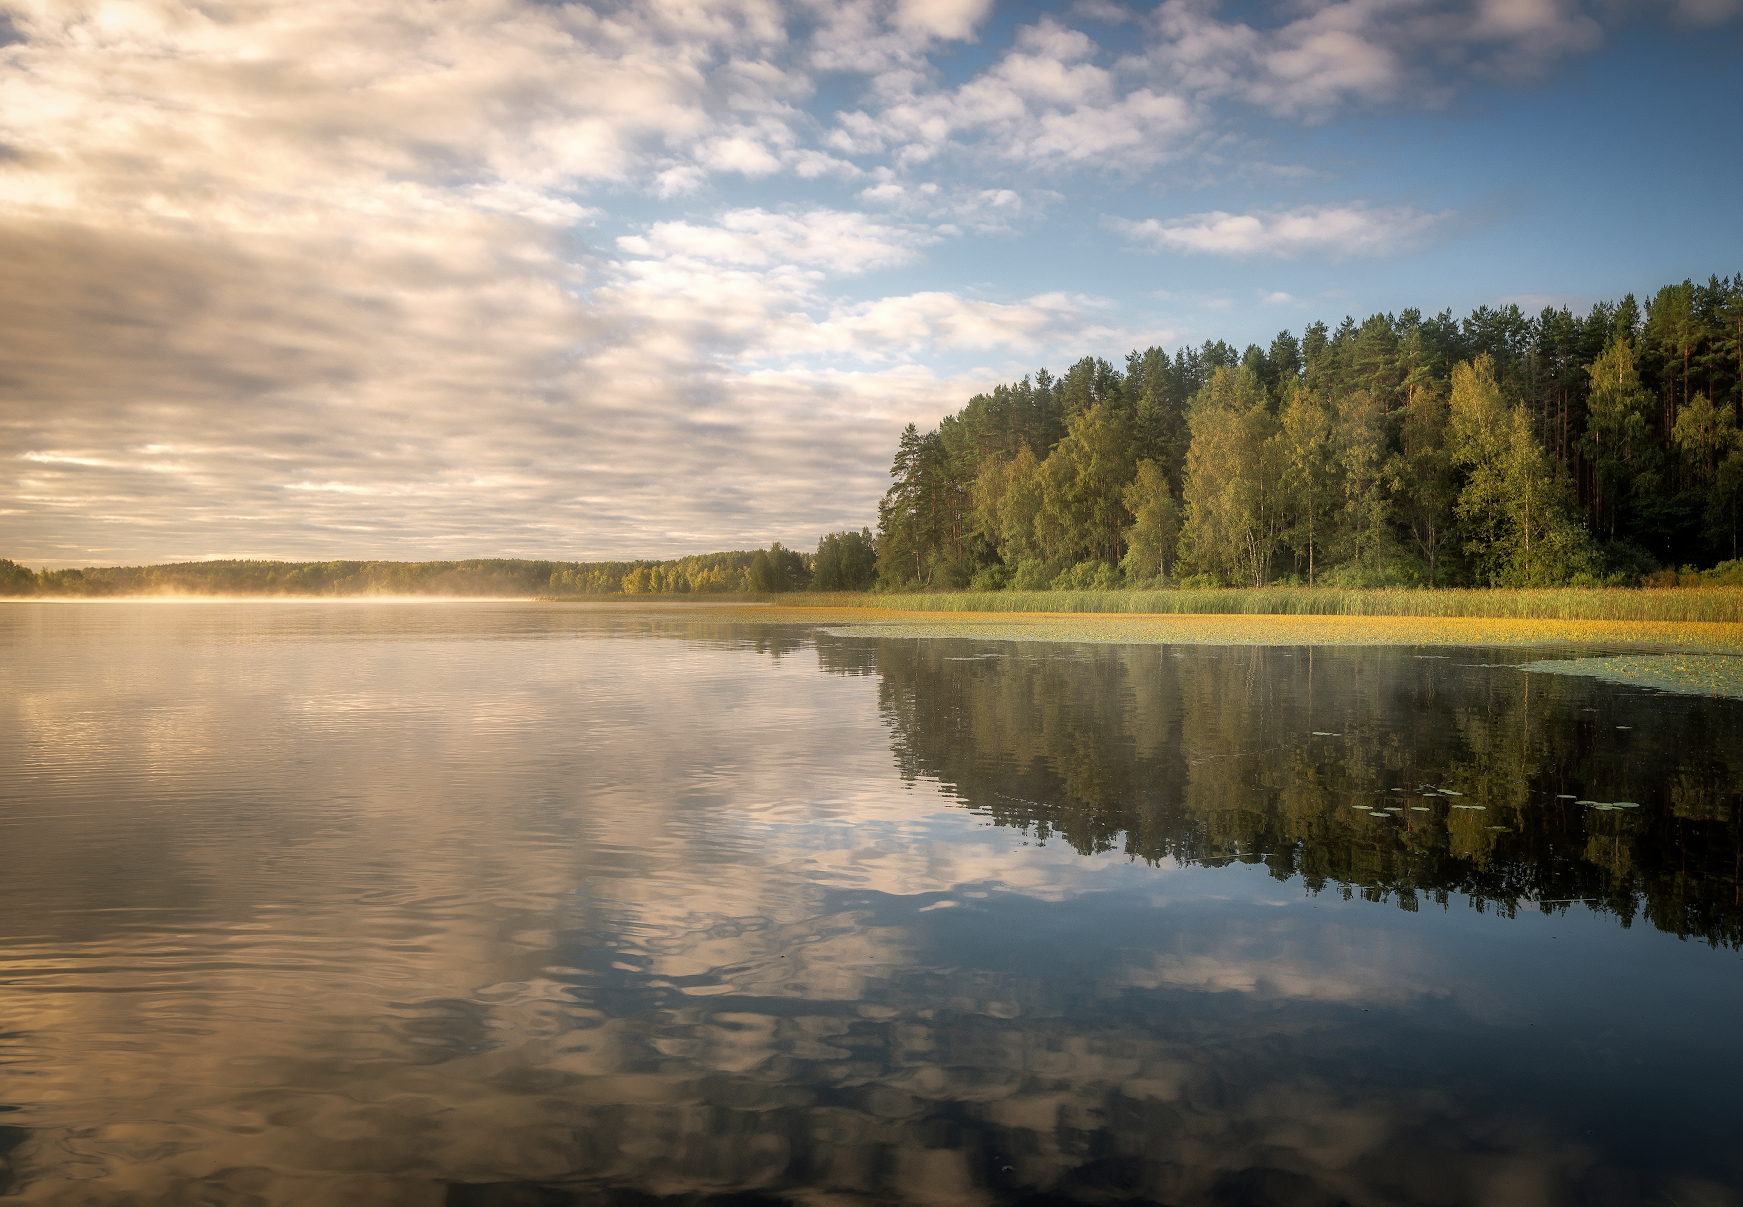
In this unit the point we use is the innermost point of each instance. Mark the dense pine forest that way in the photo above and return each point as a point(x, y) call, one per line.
point(1496, 450)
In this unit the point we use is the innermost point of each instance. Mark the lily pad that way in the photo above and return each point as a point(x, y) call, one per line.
point(1691, 674)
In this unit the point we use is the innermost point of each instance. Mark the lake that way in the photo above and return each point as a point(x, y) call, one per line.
point(508, 903)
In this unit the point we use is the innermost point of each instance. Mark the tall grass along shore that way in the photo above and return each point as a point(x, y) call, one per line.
point(1722, 605)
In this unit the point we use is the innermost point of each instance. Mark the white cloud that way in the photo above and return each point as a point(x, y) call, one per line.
point(954, 20)
point(1333, 230)
point(397, 279)
point(1044, 102)
point(841, 242)
point(871, 36)
point(916, 322)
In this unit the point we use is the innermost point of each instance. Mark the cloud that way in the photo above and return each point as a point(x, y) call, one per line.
point(328, 254)
point(1044, 102)
point(493, 276)
point(833, 240)
point(916, 322)
point(1360, 53)
point(954, 20)
point(872, 36)
point(1332, 230)
point(445, 380)
point(1703, 14)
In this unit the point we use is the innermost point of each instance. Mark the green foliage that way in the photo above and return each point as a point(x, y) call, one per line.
point(1307, 458)
point(1083, 486)
point(924, 520)
point(698, 574)
point(1233, 492)
point(845, 561)
point(1615, 440)
point(1514, 508)
point(1585, 448)
point(1088, 576)
point(1154, 534)
point(16, 579)
point(775, 570)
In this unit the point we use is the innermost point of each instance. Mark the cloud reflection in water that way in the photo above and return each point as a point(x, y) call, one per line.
point(449, 904)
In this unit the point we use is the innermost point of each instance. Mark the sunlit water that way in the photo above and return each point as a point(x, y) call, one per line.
point(514, 904)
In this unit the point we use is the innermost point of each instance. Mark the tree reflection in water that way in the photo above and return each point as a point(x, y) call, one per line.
point(1280, 756)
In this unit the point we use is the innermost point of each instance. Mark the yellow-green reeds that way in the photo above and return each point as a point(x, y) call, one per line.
point(1707, 604)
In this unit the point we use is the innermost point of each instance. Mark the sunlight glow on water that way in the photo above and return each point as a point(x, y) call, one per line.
point(503, 903)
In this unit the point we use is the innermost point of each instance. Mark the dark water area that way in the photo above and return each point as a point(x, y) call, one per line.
point(510, 904)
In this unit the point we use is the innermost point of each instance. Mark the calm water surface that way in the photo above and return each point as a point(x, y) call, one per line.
point(516, 904)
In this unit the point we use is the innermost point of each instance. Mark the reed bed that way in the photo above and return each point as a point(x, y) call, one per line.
point(1712, 605)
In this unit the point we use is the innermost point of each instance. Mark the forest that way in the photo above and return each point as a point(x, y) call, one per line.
point(1497, 450)
point(844, 561)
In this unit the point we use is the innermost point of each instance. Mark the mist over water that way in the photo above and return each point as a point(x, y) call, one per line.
point(503, 903)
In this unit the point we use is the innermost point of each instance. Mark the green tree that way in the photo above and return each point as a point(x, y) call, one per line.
point(845, 561)
point(1673, 333)
point(775, 569)
point(1310, 474)
point(1512, 504)
point(1479, 431)
point(1425, 469)
point(1155, 528)
point(1234, 497)
point(1085, 483)
point(1705, 433)
point(1616, 434)
point(913, 513)
point(1359, 440)
point(1708, 437)
point(16, 579)
point(1725, 502)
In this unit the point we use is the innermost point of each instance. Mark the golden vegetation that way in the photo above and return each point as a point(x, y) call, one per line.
point(1715, 605)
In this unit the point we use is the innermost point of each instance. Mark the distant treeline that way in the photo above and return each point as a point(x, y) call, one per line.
point(1497, 450)
point(844, 561)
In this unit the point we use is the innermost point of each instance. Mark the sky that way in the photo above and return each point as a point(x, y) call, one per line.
point(431, 279)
